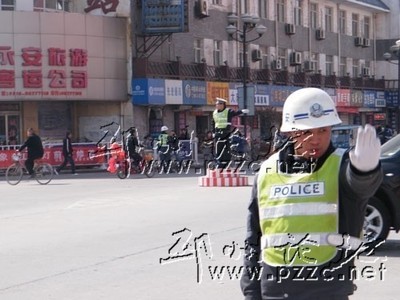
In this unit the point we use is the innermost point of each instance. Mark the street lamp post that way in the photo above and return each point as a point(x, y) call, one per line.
point(395, 50)
point(249, 23)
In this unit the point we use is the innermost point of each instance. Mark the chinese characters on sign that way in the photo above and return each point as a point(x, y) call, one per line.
point(32, 74)
point(105, 5)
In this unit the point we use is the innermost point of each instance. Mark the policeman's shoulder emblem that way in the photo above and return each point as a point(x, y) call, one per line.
point(316, 110)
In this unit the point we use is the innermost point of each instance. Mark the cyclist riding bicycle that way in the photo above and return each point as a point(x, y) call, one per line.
point(132, 145)
point(35, 150)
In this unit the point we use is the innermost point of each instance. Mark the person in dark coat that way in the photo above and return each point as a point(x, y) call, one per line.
point(67, 153)
point(132, 143)
point(307, 207)
point(35, 149)
point(222, 120)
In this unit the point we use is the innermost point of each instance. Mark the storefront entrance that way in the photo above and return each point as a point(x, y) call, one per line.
point(9, 124)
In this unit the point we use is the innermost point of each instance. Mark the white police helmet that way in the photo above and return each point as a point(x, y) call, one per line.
point(164, 128)
point(308, 108)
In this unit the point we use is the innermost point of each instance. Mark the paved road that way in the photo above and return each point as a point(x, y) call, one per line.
point(93, 236)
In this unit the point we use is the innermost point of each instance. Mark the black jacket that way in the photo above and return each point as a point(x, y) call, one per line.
point(34, 145)
point(355, 188)
point(67, 147)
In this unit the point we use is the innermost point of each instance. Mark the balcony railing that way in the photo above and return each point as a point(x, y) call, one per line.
point(143, 68)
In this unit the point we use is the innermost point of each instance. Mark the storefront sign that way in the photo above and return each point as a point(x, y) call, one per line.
point(160, 16)
point(392, 98)
point(343, 97)
point(173, 92)
point(379, 116)
point(217, 89)
point(279, 94)
point(148, 91)
point(369, 99)
point(380, 100)
point(261, 97)
point(194, 92)
point(51, 72)
point(356, 98)
point(53, 155)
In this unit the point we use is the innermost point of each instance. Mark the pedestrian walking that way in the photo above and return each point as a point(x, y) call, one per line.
point(307, 206)
point(68, 152)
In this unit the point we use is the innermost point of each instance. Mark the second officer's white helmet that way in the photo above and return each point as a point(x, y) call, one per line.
point(308, 108)
point(164, 128)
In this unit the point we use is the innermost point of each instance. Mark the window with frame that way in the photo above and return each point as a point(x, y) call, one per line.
point(343, 67)
point(298, 13)
point(354, 24)
point(314, 15)
point(263, 9)
point(264, 58)
point(217, 53)
point(49, 5)
point(329, 65)
point(314, 61)
point(356, 68)
point(367, 25)
point(342, 22)
point(7, 5)
point(280, 10)
point(283, 57)
point(243, 7)
point(329, 19)
point(197, 47)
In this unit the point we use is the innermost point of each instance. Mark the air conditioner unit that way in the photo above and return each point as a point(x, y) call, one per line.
point(277, 65)
point(295, 58)
point(366, 42)
point(203, 8)
point(290, 28)
point(256, 55)
point(359, 41)
point(365, 71)
point(320, 34)
point(309, 66)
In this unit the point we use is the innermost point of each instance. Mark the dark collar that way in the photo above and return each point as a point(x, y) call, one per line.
point(293, 164)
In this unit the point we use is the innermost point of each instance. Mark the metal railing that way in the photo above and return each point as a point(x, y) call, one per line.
point(144, 68)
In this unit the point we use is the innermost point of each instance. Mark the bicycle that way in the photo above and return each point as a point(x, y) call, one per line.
point(144, 166)
point(43, 172)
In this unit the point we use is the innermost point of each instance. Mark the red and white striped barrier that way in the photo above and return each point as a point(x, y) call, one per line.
point(224, 177)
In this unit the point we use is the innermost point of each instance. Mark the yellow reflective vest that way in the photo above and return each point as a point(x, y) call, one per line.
point(298, 212)
point(221, 118)
point(163, 139)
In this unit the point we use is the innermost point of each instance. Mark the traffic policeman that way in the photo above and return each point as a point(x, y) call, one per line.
point(222, 121)
point(307, 206)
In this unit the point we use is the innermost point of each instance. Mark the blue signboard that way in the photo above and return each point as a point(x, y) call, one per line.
point(392, 99)
point(194, 92)
point(148, 91)
point(261, 97)
point(369, 99)
point(162, 16)
point(279, 93)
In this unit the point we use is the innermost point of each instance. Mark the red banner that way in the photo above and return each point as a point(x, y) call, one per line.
point(53, 155)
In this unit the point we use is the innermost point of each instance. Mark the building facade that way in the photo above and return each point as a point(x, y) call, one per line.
point(64, 65)
point(334, 45)
point(76, 65)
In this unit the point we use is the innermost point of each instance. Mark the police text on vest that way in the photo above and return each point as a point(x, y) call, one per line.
point(297, 190)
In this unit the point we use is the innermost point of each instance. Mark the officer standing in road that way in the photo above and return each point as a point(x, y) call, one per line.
point(163, 146)
point(222, 120)
point(307, 206)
